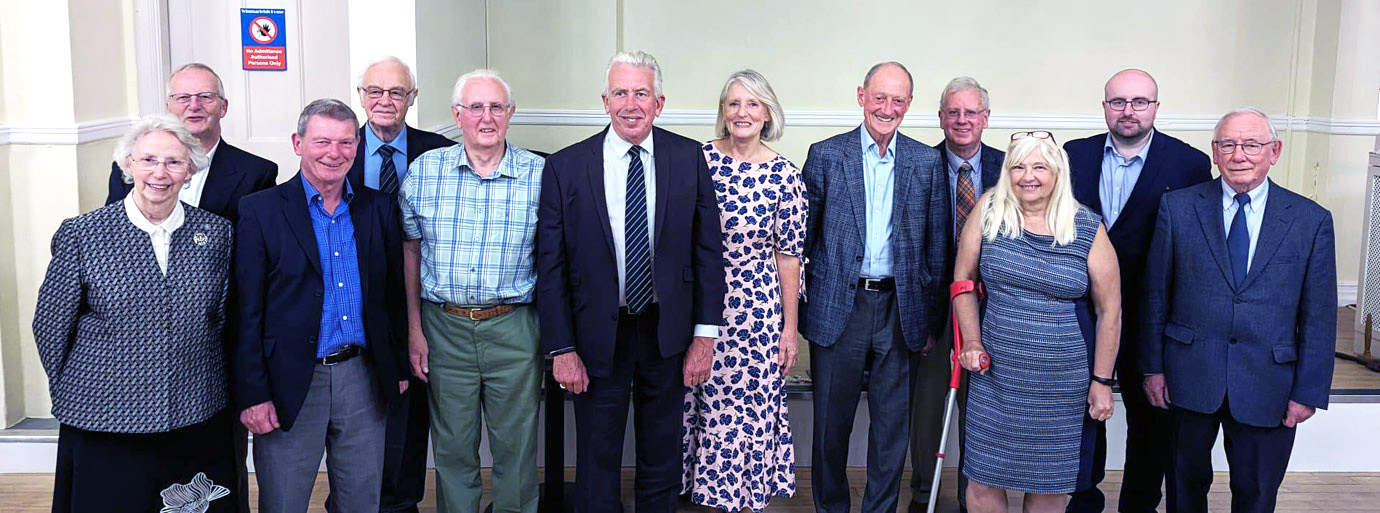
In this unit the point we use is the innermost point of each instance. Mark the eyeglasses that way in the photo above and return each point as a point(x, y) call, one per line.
point(174, 165)
point(1038, 134)
point(477, 109)
point(397, 93)
point(953, 113)
point(1137, 104)
point(1228, 146)
point(207, 97)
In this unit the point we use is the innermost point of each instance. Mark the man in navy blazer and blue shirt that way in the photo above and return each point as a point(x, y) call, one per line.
point(322, 338)
point(387, 89)
point(972, 167)
point(1241, 318)
point(1121, 175)
point(630, 287)
point(879, 251)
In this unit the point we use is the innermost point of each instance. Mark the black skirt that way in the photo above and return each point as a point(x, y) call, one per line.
point(190, 469)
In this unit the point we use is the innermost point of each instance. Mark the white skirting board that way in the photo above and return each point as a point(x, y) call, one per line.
point(1340, 439)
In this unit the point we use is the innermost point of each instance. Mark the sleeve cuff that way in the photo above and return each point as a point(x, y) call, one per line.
point(561, 351)
point(706, 330)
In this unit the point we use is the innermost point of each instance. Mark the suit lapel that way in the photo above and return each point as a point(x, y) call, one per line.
point(356, 174)
point(221, 180)
point(853, 177)
point(364, 238)
point(594, 172)
point(299, 219)
point(663, 183)
point(1150, 181)
point(904, 171)
point(1273, 227)
point(991, 167)
point(1089, 167)
point(1209, 208)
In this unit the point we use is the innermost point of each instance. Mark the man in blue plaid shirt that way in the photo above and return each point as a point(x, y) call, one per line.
point(469, 219)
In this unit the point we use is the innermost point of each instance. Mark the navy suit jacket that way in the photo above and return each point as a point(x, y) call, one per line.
point(278, 274)
point(1170, 165)
point(991, 159)
point(922, 231)
point(1258, 345)
point(577, 276)
point(234, 173)
point(418, 142)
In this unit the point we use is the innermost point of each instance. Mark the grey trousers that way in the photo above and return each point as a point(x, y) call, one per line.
point(341, 417)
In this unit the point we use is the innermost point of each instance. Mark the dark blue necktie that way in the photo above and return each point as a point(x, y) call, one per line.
point(1239, 240)
point(637, 257)
point(388, 172)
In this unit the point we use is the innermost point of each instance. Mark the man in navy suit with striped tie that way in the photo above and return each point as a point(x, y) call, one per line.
point(630, 287)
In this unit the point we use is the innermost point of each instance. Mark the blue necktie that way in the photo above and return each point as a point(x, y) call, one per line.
point(637, 257)
point(1239, 240)
point(388, 172)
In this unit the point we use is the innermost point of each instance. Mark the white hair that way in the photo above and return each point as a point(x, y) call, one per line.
point(636, 58)
point(756, 85)
point(457, 99)
point(151, 123)
point(964, 84)
point(1001, 213)
point(1251, 111)
point(411, 78)
point(220, 86)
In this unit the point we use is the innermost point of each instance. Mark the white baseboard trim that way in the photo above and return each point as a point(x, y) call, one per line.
point(1346, 293)
point(80, 133)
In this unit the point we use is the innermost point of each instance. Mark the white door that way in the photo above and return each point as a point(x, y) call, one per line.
point(263, 105)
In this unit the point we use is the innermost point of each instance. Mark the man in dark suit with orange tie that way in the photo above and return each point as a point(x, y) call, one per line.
point(630, 287)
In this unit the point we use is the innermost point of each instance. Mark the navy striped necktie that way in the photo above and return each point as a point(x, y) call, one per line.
point(388, 172)
point(637, 261)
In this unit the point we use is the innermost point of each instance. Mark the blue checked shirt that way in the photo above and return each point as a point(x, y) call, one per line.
point(342, 321)
point(477, 233)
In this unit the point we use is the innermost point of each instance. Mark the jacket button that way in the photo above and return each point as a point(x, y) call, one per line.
point(1232, 341)
point(613, 317)
point(312, 339)
point(318, 292)
point(852, 286)
point(859, 258)
point(1237, 300)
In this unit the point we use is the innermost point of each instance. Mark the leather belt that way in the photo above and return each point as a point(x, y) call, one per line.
point(340, 356)
point(478, 314)
point(877, 284)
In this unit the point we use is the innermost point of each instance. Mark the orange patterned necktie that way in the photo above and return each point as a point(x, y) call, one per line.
point(964, 197)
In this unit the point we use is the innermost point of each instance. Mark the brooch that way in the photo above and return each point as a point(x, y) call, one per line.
point(200, 238)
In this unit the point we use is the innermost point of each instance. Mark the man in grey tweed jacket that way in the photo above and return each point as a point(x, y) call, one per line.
point(877, 242)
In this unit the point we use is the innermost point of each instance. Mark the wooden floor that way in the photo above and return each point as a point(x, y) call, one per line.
point(1302, 492)
point(1351, 375)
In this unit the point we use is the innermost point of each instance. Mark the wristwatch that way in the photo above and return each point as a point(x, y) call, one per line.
point(1111, 382)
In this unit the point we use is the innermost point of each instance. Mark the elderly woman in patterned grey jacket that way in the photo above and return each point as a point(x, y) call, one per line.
point(128, 326)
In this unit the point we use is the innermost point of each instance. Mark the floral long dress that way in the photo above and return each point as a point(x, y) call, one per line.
point(738, 451)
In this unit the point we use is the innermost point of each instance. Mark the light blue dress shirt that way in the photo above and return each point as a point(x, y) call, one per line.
point(342, 307)
point(956, 162)
point(879, 178)
point(1119, 177)
point(373, 162)
point(1255, 213)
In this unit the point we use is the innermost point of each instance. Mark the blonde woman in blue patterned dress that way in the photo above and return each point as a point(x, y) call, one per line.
point(1039, 255)
point(738, 447)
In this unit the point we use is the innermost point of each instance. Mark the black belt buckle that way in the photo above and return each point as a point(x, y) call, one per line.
point(877, 284)
point(340, 356)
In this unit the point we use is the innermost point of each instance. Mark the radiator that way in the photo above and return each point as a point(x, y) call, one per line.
point(1368, 290)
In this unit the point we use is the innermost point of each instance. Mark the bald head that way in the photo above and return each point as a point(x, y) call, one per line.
point(1130, 102)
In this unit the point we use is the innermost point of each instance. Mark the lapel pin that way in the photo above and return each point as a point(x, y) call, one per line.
point(200, 238)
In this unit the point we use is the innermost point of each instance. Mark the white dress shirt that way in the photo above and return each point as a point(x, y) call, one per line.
point(191, 192)
point(160, 235)
point(616, 195)
point(1255, 213)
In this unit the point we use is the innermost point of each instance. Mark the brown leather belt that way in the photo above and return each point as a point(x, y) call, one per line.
point(478, 314)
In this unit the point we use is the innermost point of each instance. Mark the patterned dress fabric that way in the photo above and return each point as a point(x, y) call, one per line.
point(738, 450)
point(1025, 415)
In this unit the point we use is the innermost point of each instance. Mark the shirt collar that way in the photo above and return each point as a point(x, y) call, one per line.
point(211, 155)
point(1144, 150)
point(372, 141)
point(615, 143)
point(169, 225)
point(956, 161)
point(869, 146)
point(1257, 195)
point(315, 195)
point(505, 164)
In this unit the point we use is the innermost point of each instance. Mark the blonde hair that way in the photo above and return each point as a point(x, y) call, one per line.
point(1001, 212)
point(756, 85)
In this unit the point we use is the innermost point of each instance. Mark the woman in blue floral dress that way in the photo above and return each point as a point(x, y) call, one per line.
point(738, 447)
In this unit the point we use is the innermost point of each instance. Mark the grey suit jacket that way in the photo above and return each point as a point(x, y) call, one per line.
point(127, 349)
point(836, 230)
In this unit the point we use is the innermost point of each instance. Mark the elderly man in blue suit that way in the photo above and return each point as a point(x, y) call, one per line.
point(878, 253)
point(1241, 318)
point(1121, 174)
point(971, 167)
